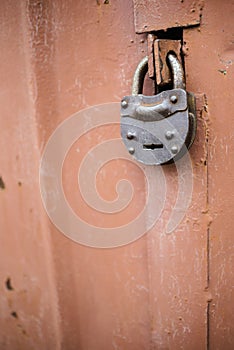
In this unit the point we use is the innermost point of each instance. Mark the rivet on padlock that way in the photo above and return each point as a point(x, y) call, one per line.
point(158, 129)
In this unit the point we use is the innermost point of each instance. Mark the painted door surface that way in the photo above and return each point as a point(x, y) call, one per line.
point(160, 291)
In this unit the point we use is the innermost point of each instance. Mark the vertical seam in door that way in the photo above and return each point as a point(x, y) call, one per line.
point(208, 225)
point(208, 285)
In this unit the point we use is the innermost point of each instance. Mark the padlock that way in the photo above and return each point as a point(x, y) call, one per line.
point(158, 129)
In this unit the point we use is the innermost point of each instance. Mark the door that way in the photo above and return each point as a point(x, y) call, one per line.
point(152, 289)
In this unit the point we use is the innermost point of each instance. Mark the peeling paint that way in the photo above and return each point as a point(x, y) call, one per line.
point(2, 184)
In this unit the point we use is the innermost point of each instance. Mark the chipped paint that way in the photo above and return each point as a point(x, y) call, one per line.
point(161, 292)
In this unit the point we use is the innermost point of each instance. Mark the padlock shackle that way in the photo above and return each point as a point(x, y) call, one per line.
point(177, 72)
point(142, 68)
point(139, 75)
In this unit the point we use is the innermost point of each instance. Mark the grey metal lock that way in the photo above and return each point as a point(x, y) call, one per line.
point(158, 129)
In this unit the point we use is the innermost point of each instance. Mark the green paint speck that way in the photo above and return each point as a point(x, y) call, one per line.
point(223, 71)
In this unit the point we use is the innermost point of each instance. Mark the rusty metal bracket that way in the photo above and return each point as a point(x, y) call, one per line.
point(158, 50)
point(150, 46)
point(162, 47)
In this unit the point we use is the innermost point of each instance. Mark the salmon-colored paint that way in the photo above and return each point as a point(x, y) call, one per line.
point(154, 15)
point(209, 66)
point(161, 291)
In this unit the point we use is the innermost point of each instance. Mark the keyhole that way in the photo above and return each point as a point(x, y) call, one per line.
point(153, 146)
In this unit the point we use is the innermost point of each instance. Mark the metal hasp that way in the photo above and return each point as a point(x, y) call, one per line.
point(158, 129)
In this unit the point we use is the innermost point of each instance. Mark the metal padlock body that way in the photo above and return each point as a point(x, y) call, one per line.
point(158, 129)
point(155, 129)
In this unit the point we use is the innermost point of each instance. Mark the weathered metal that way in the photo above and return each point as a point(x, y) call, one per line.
point(175, 65)
point(161, 49)
point(150, 52)
point(154, 15)
point(139, 75)
point(161, 291)
point(147, 121)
